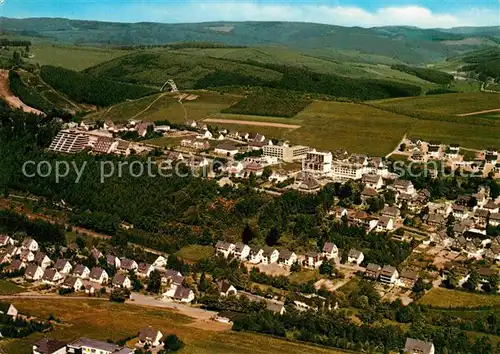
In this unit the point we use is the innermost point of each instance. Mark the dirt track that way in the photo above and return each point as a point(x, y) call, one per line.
point(251, 122)
point(478, 112)
point(12, 100)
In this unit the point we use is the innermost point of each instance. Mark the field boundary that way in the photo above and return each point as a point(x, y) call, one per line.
point(479, 112)
point(249, 122)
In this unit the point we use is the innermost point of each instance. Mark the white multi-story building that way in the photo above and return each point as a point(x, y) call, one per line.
point(345, 170)
point(317, 162)
point(286, 152)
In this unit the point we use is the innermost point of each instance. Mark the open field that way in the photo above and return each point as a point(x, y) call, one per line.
point(446, 104)
point(355, 127)
point(167, 107)
point(8, 288)
point(104, 320)
point(304, 276)
point(439, 297)
point(73, 57)
point(467, 135)
point(247, 122)
point(195, 253)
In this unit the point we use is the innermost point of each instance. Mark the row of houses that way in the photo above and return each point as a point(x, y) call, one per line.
point(270, 255)
point(147, 337)
point(390, 275)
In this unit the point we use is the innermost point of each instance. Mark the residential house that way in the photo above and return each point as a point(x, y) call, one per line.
point(113, 261)
point(385, 224)
point(150, 336)
point(373, 181)
point(372, 271)
point(42, 260)
point(81, 271)
point(224, 248)
point(287, 257)
point(368, 193)
point(26, 255)
point(51, 276)
point(225, 288)
point(123, 148)
point(86, 345)
point(128, 264)
point(30, 244)
point(355, 256)
point(96, 254)
point(63, 266)
point(415, 346)
point(73, 283)
point(313, 260)
point(98, 275)
point(144, 269)
point(460, 212)
point(256, 255)
point(183, 294)
point(330, 251)
point(16, 266)
point(403, 186)
point(198, 162)
point(241, 251)
point(173, 277)
point(5, 257)
point(435, 220)
point(391, 212)
point(389, 274)
point(492, 207)
point(6, 240)
point(33, 272)
point(481, 218)
point(49, 346)
point(269, 255)
point(8, 309)
point(494, 220)
point(206, 134)
point(160, 262)
point(226, 149)
point(121, 281)
point(407, 279)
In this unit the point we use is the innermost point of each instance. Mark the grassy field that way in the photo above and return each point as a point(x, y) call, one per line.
point(103, 320)
point(439, 297)
point(448, 104)
point(73, 57)
point(9, 288)
point(167, 107)
point(467, 135)
point(194, 253)
point(355, 127)
point(304, 276)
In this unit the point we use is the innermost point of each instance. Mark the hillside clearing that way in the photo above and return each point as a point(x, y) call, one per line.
point(9, 97)
point(445, 298)
point(104, 320)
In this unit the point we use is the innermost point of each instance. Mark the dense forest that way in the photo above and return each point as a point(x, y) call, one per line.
point(273, 103)
point(86, 88)
point(485, 63)
point(435, 76)
point(27, 94)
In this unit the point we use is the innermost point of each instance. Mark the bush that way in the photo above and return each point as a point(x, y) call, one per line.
point(171, 344)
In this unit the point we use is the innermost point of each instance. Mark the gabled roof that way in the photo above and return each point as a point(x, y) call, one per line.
point(329, 247)
point(17, 264)
point(495, 216)
point(371, 178)
point(96, 273)
point(181, 293)
point(384, 221)
point(354, 253)
point(95, 344)
point(239, 247)
point(482, 213)
point(491, 205)
point(143, 267)
point(417, 346)
point(127, 263)
point(48, 346)
point(70, 281)
point(393, 211)
point(369, 192)
point(49, 274)
point(268, 251)
point(31, 270)
point(148, 334)
point(61, 263)
point(388, 270)
point(223, 286)
point(119, 279)
point(285, 254)
point(79, 269)
point(223, 245)
point(372, 267)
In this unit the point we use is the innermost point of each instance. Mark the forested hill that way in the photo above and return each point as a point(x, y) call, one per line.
point(412, 45)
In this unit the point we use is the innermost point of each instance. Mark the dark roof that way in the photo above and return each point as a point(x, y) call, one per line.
point(369, 192)
point(70, 281)
point(491, 205)
point(30, 270)
point(49, 274)
point(223, 245)
point(48, 346)
point(143, 267)
point(354, 253)
point(181, 293)
point(60, 264)
point(239, 246)
point(407, 274)
point(119, 279)
point(223, 286)
point(267, 251)
point(495, 216)
point(372, 267)
point(226, 146)
point(482, 213)
point(96, 272)
point(388, 271)
point(328, 247)
point(371, 178)
point(127, 263)
point(79, 269)
point(285, 254)
point(393, 211)
point(17, 264)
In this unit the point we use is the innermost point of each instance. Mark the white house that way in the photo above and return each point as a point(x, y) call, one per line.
point(121, 281)
point(225, 288)
point(373, 181)
point(205, 135)
point(6, 240)
point(128, 264)
point(98, 275)
point(270, 255)
point(355, 256)
point(241, 251)
point(179, 293)
point(150, 336)
point(388, 274)
point(404, 186)
point(86, 345)
point(415, 346)
point(113, 261)
point(33, 272)
point(224, 248)
point(256, 255)
point(144, 270)
point(330, 251)
point(313, 260)
point(30, 244)
point(81, 271)
point(51, 276)
point(494, 220)
point(63, 266)
point(287, 257)
point(26, 255)
point(72, 282)
point(160, 262)
point(384, 224)
point(42, 260)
